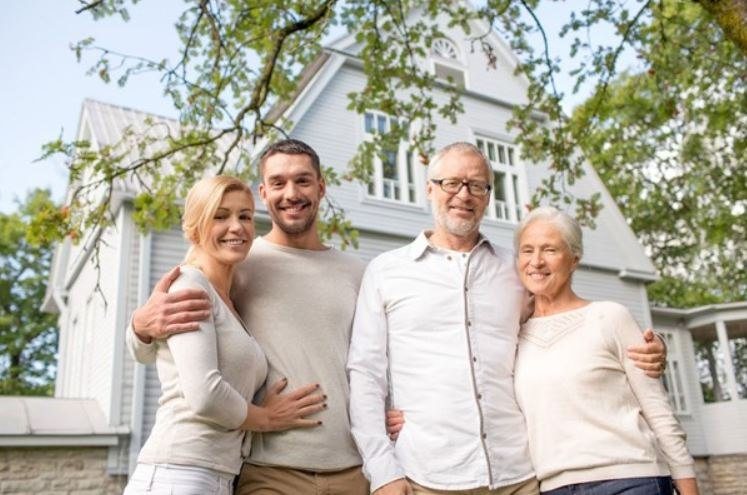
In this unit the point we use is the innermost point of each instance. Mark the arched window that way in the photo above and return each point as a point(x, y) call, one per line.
point(447, 62)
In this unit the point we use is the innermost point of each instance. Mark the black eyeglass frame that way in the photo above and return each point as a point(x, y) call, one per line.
point(462, 183)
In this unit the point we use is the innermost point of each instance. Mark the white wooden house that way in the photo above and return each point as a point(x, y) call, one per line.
point(389, 212)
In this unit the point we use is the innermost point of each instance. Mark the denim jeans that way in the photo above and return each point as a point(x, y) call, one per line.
point(170, 479)
point(655, 485)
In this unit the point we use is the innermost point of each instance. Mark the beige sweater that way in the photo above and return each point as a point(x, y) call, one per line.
point(591, 414)
point(206, 377)
point(300, 305)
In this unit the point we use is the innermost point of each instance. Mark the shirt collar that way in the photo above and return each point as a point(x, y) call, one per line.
point(422, 244)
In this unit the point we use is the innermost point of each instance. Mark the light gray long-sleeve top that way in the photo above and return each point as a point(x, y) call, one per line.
point(207, 377)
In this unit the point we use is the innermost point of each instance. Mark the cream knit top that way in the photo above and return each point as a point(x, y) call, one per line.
point(590, 413)
point(206, 377)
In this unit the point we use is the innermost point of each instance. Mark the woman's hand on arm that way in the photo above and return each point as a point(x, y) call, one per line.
point(280, 412)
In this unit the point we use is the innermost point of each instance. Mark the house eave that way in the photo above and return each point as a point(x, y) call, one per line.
point(60, 440)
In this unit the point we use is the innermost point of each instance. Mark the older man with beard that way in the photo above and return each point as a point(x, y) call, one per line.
point(435, 330)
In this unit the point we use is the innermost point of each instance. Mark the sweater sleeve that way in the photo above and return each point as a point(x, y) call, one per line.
point(140, 351)
point(654, 402)
point(195, 355)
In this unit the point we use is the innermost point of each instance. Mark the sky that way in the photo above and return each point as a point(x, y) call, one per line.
point(43, 86)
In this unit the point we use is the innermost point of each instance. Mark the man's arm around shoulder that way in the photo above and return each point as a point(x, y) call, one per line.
point(165, 313)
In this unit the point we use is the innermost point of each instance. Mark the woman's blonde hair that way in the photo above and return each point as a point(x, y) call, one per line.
point(201, 204)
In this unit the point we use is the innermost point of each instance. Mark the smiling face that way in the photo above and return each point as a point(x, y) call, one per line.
point(291, 189)
point(544, 261)
point(229, 233)
point(459, 214)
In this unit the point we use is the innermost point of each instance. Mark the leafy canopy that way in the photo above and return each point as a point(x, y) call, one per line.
point(239, 59)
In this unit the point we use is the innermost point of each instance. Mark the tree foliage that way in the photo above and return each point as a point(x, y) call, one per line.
point(28, 337)
point(238, 59)
point(671, 145)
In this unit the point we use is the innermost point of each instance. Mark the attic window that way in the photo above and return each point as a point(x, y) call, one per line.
point(445, 49)
point(447, 64)
point(449, 74)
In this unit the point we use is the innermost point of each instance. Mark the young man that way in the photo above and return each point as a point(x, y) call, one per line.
point(297, 297)
point(435, 334)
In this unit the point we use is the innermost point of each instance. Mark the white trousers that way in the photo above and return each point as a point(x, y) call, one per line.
point(170, 479)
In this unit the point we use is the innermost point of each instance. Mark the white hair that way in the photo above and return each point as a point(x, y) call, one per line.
point(568, 227)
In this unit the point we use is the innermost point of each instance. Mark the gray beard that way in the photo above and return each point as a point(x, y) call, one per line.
point(459, 228)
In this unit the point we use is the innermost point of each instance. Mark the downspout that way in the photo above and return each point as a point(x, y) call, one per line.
point(139, 370)
point(59, 299)
point(120, 317)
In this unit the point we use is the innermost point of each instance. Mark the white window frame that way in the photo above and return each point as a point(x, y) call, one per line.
point(406, 182)
point(505, 162)
point(674, 376)
point(455, 63)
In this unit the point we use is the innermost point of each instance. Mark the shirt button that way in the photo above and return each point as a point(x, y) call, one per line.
point(469, 323)
point(466, 289)
point(464, 255)
point(474, 359)
point(484, 435)
point(448, 258)
point(479, 396)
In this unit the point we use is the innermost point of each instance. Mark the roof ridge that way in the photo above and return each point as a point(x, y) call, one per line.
point(89, 100)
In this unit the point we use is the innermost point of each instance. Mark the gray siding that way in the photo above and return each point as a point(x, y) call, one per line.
point(167, 249)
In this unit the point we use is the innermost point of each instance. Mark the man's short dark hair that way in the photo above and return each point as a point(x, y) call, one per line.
point(289, 147)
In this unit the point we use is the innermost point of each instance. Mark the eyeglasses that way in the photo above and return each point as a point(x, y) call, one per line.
point(453, 186)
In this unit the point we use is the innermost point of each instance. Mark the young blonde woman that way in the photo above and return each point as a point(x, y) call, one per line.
point(208, 377)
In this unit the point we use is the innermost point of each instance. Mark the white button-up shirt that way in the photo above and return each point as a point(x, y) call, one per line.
point(435, 334)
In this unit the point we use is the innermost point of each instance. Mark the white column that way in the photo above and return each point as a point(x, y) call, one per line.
point(723, 342)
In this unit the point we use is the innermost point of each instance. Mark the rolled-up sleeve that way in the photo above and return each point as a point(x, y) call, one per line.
point(367, 368)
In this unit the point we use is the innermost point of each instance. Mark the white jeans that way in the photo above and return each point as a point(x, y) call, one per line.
point(170, 479)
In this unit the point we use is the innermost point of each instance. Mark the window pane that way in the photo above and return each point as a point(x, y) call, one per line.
point(449, 74)
point(499, 191)
point(389, 166)
point(481, 145)
point(510, 156)
point(501, 154)
point(491, 151)
point(499, 195)
point(410, 177)
point(679, 388)
point(382, 123)
point(369, 119)
point(711, 368)
point(517, 203)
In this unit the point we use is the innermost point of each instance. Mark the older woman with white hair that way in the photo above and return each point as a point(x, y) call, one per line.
point(597, 425)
